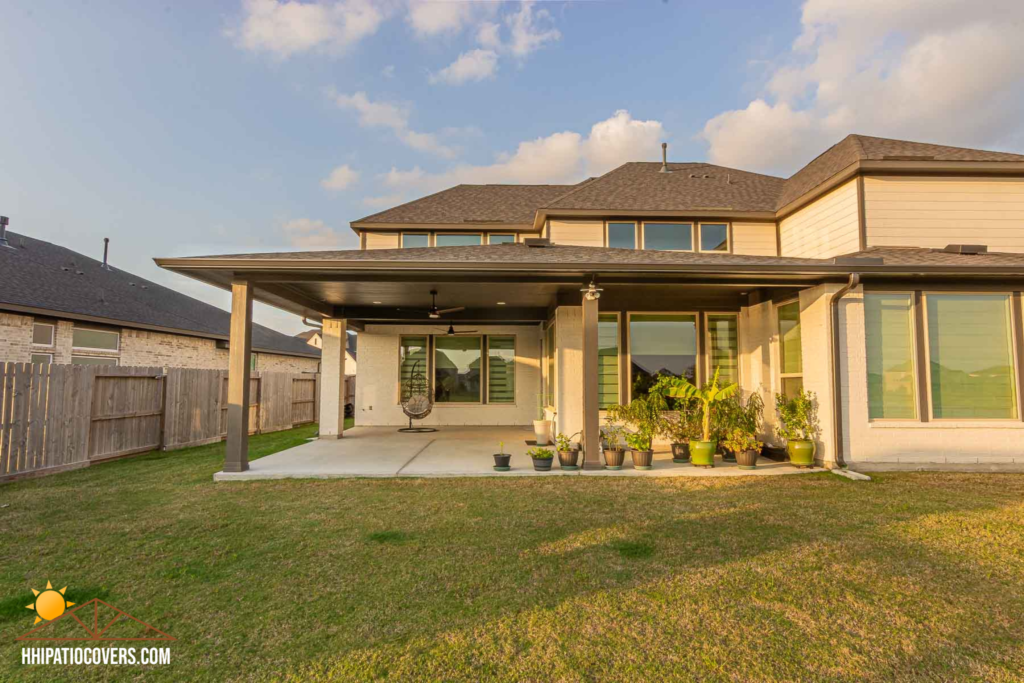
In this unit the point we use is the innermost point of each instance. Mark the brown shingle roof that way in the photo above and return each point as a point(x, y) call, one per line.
point(922, 256)
point(513, 204)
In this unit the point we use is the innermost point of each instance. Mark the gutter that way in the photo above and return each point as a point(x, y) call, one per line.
point(837, 418)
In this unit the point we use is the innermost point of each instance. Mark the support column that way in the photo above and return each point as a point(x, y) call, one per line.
point(236, 458)
point(591, 405)
point(332, 378)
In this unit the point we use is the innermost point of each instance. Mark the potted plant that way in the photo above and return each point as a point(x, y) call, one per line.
point(568, 452)
point(798, 425)
point(614, 447)
point(702, 452)
point(731, 415)
point(746, 447)
point(542, 458)
point(541, 426)
point(644, 415)
point(501, 458)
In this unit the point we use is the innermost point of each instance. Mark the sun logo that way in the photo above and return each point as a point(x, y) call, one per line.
point(49, 603)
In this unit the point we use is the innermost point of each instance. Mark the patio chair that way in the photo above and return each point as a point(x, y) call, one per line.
point(416, 400)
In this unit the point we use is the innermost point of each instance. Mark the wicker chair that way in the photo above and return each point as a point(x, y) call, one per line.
point(416, 399)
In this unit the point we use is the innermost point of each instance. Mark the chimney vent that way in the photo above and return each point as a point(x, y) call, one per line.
point(664, 158)
point(4, 220)
point(106, 247)
point(537, 242)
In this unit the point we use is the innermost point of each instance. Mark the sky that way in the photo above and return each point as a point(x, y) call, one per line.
point(193, 128)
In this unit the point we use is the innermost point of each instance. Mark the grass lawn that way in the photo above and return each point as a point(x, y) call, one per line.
point(811, 577)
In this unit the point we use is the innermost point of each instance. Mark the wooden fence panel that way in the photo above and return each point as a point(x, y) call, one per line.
point(254, 404)
point(127, 411)
point(275, 401)
point(193, 407)
point(304, 390)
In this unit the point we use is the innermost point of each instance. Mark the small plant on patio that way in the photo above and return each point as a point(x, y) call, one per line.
point(644, 414)
point(614, 440)
point(501, 458)
point(542, 458)
point(731, 415)
point(568, 451)
point(798, 425)
point(746, 447)
point(702, 452)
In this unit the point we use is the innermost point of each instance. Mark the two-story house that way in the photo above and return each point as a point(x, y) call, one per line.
point(885, 276)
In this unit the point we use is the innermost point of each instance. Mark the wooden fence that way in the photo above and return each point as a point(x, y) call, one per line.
point(58, 417)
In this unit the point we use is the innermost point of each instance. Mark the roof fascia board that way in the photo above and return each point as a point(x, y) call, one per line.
point(359, 226)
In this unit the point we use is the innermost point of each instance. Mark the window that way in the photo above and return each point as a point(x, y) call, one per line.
point(42, 334)
point(549, 365)
point(412, 362)
point(889, 331)
point(501, 369)
point(450, 240)
point(415, 240)
point(252, 362)
point(494, 238)
point(92, 360)
point(457, 369)
point(791, 365)
point(714, 237)
point(622, 235)
point(607, 360)
point(661, 344)
point(723, 347)
point(970, 356)
point(42, 358)
point(668, 236)
point(101, 340)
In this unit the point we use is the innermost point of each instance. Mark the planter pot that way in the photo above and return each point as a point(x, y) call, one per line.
point(728, 454)
point(801, 453)
point(747, 460)
point(680, 452)
point(643, 460)
point(542, 465)
point(613, 458)
point(702, 453)
point(501, 461)
point(542, 432)
point(569, 460)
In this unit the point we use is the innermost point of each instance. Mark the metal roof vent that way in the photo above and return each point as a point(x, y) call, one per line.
point(664, 158)
point(4, 220)
point(966, 248)
point(537, 242)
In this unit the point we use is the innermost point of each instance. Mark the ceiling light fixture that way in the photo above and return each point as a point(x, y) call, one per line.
point(376, 302)
point(592, 292)
point(501, 303)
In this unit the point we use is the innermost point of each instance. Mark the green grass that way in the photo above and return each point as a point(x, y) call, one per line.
point(911, 577)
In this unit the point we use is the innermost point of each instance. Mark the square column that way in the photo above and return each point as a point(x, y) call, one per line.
point(236, 458)
point(332, 378)
point(591, 405)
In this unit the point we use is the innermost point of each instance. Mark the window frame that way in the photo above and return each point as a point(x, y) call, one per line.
point(636, 231)
point(116, 363)
point(916, 344)
point(549, 385)
point(693, 235)
point(401, 239)
point(629, 345)
point(486, 363)
point(53, 334)
point(779, 374)
point(515, 239)
point(728, 237)
point(479, 234)
point(618, 354)
point(1014, 342)
point(483, 373)
point(398, 366)
point(93, 348)
point(708, 370)
point(49, 357)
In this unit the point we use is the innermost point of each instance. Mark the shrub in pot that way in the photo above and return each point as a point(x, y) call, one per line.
point(798, 425)
point(568, 452)
point(501, 458)
point(542, 458)
point(702, 451)
point(732, 415)
point(643, 414)
point(614, 447)
point(746, 447)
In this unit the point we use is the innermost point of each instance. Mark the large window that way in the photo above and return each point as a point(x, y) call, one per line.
point(668, 236)
point(791, 370)
point(549, 365)
point(970, 352)
point(414, 240)
point(501, 369)
point(622, 235)
point(714, 237)
point(457, 369)
point(661, 344)
point(451, 240)
point(723, 347)
point(412, 364)
point(889, 332)
point(42, 334)
point(607, 359)
point(100, 340)
point(495, 238)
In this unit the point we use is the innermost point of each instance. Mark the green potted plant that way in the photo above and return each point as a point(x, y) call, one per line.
point(614, 446)
point(746, 447)
point(644, 415)
point(568, 452)
point(702, 452)
point(733, 415)
point(542, 458)
point(501, 458)
point(798, 425)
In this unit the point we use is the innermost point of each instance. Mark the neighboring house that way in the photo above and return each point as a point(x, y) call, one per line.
point(885, 276)
point(316, 340)
point(59, 306)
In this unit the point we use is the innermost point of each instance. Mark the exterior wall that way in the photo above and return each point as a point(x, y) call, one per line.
point(756, 335)
point(274, 362)
point(815, 310)
point(892, 444)
point(827, 227)
point(569, 370)
point(16, 338)
point(377, 382)
point(935, 211)
point(754, 239)
point(577, 233)
point(382, 240)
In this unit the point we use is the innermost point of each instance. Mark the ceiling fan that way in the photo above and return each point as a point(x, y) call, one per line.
point(435, 312)
point(452, 333)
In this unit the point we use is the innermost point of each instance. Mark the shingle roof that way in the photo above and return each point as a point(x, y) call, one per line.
point(922, 256)
point(513, 204)
point(37, 274)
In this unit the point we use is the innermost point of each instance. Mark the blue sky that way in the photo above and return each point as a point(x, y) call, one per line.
point(195, 128)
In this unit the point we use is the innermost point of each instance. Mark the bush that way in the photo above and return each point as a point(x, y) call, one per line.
point(798, 416)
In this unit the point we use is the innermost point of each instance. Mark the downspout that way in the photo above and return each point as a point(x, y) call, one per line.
point(837, 418)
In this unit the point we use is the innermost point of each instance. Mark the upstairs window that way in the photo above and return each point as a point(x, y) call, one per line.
point(495, 238)
point(668, 236)
point(42, 334)
point(714, 237)
point(98, 340)
point(622, 235)
point(455, 240)
point(415, 240)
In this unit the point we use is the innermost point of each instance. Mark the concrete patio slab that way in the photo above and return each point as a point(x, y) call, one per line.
point(452, 452)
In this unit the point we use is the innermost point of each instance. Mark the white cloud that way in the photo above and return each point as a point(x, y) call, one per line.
point(307, 233)
point(530, 31)
point(931, 70)
point(488, 35)
point(393, 116)
point(340, 178)
point(433, 17)
point(475, 65)
point(565, 157)
point(290, 27)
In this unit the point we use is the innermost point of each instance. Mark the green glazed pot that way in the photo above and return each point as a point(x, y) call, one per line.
point(801, 453)
point(702, 453)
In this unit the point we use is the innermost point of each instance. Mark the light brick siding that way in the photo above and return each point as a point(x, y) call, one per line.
point(138, 347)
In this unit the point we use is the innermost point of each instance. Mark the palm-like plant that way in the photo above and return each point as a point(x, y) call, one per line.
point(710, 393)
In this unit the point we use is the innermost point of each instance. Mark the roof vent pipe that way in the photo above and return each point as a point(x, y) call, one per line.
point(664, 158)
point(4, 220)
point(106, 247)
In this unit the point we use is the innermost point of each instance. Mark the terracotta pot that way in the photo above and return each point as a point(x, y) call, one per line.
point(801, 453)
point(542, 465)
point(642, 460)
point(569, 460)
point(702, 453)
point(613, 458)
point(680, 452)
point(747, 460)
point(501, 461)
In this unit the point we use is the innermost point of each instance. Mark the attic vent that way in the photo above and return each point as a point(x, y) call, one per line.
point(966, 248)
point(537, 242)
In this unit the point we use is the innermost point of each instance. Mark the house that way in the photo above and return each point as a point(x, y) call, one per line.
point(885, 276)
point(315, 339)
point(59, 306)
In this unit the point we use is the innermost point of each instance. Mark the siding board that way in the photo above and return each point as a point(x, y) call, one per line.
point(754, 239)
point(825, 228)
point(577, 233)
